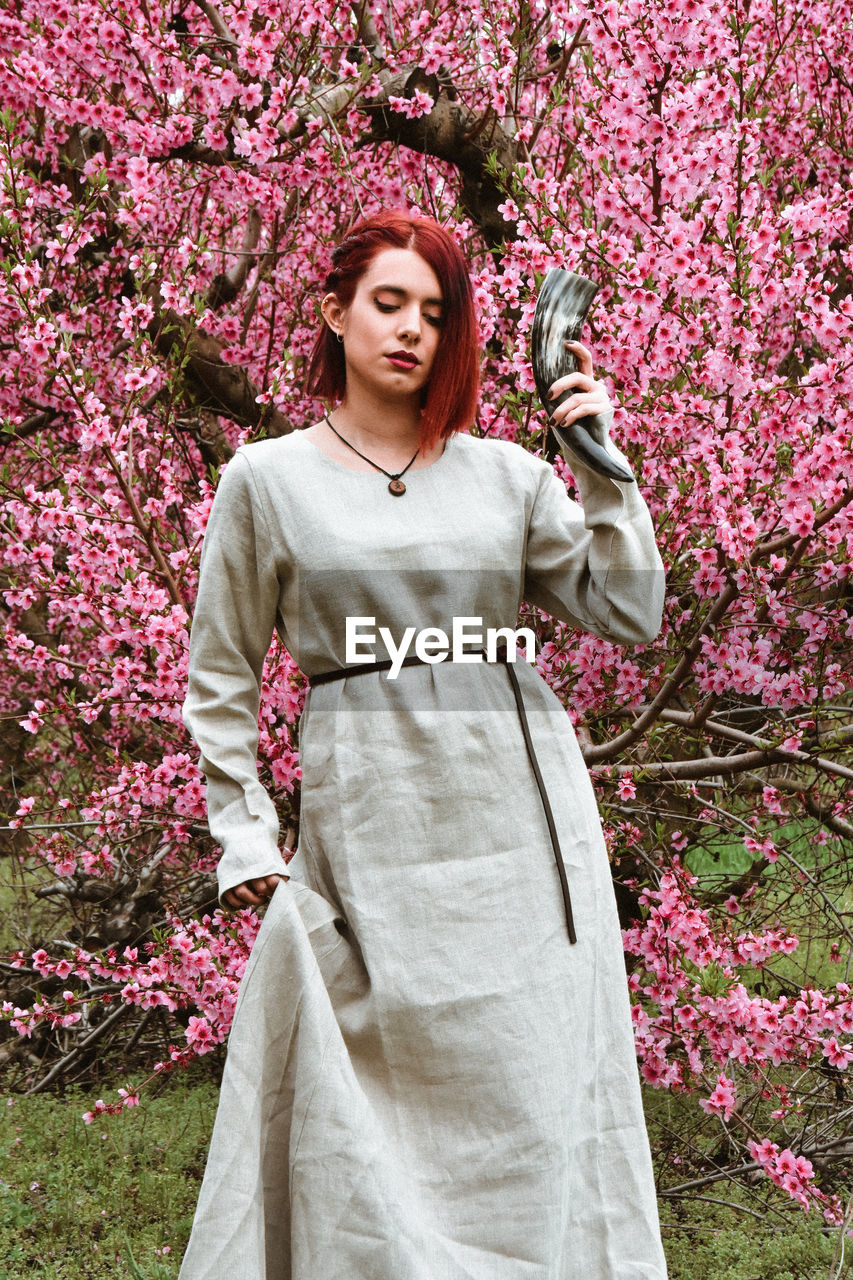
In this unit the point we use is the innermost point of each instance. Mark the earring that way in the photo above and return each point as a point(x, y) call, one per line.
point(340, 337)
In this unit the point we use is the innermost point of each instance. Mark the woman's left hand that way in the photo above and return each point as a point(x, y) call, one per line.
point(589, 395)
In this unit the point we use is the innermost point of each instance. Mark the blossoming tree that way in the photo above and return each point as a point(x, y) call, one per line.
point(173, 176)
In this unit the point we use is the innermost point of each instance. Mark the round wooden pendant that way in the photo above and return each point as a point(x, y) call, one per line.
point(396, 487)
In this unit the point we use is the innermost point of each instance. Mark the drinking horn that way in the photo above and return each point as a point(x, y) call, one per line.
point(564, 300)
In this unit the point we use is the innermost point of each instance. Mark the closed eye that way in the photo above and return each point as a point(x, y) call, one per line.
point(386, 307)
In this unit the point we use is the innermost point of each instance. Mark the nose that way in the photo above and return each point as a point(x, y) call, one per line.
point(409, 322)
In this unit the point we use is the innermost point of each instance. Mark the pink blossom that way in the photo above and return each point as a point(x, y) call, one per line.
point(722, 1101)
point(717, 328)
point(626, 787)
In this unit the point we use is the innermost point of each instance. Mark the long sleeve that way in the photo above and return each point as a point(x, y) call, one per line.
point(232, 628)
point(595, 566)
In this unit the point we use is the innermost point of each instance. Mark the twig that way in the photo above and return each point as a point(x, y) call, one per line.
point(137, 1035)
point(568, 53)
point(681, 768)
point(606, 750)
point(219, 25)
point(730, 1204)
point(720, 730)
point(837, 1265)
point(816, 807)
point(828, 901)
point(753, 1165)
point(146, 530)
point(63, 826)
point(58, 1068)
point(225, 287)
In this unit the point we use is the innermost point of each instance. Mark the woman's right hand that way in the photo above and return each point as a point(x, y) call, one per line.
point(252, 893)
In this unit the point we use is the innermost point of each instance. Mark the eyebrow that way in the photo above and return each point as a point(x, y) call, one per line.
point(403, 293)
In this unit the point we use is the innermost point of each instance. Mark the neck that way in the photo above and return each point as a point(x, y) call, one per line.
point(368, 420)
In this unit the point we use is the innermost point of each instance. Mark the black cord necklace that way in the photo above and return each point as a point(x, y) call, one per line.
point(396, 486)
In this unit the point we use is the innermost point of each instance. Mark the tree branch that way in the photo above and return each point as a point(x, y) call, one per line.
point(453, 133)
point(225, 287)
point(64, 1063)
point(607, 750)
point(711, 766)
point(828, 1151)
point(719, 730)
point(219, 387)
point(449, 132)
point(366, 28)
point(816, 806)
point(30, 426)
point(219, 25)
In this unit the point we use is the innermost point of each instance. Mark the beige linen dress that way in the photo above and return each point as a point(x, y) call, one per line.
point(425, 1079)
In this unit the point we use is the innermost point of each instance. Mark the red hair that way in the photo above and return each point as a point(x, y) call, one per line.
point(450, 401)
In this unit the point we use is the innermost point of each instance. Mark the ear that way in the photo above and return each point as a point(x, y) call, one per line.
point(333, 313)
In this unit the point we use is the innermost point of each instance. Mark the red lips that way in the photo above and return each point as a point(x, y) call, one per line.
point(403, 359)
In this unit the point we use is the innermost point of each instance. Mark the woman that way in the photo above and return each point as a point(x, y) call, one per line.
point(431, 1072)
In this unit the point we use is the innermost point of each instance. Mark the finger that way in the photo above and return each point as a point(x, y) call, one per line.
point(267, 886)
point(245, 897)
point(262, 887)
point(235, 903)
point(595, 395)
point(583, 356)
point(573, 409)
point(580, 380)
point(594, 401)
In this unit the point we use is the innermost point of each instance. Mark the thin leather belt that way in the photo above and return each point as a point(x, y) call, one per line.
point(363, 668)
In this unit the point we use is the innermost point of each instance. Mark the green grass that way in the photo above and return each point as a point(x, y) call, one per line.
point(114, 1198)
point(706, 1242)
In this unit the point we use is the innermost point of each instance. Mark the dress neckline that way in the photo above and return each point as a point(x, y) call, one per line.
point(353, 471)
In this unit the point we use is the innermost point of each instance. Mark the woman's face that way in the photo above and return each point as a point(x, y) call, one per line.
point(392, 326)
